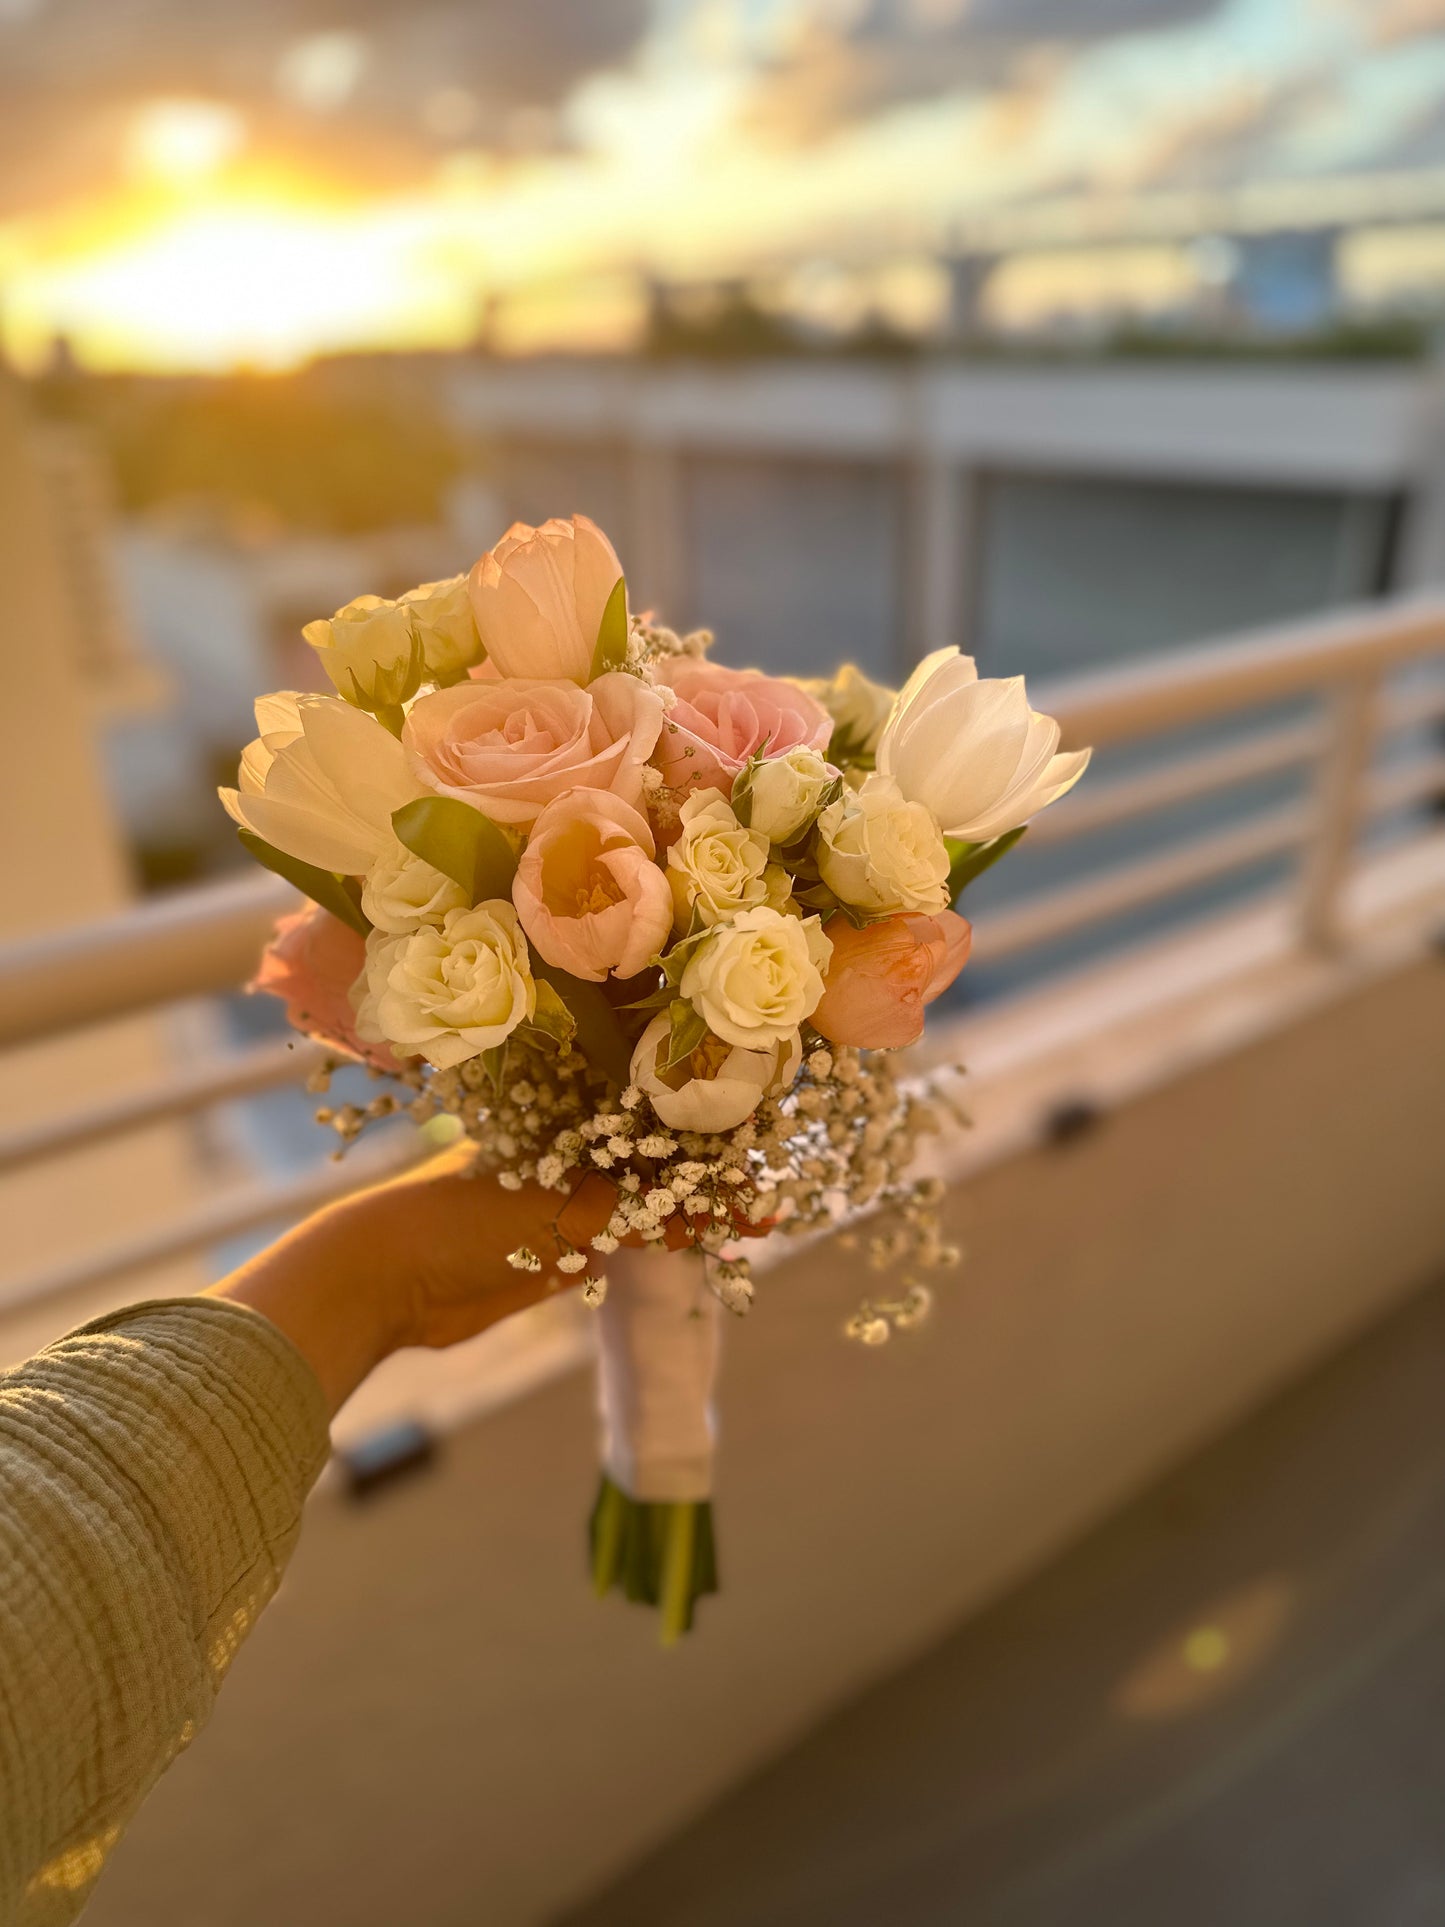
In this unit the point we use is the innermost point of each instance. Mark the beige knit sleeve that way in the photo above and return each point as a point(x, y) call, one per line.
point(153, 1467)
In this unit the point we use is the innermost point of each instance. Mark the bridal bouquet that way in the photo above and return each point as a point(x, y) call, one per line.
point(622, 910)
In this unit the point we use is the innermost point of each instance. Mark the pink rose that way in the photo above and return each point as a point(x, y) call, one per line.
point(311, 963)
point(512, 746)
point(881, 977)
point(722, 716)
point(588, 890)
point(538, 597)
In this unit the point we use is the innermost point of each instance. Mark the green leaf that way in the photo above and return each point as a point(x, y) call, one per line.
point(655, 1000)
point(326, 887)
point(817, 896)
point(969, 860)
point(611, 649)
point(598, 1034)
point(460, 842)
point(686, 1033)
point(552, 1016)
point(680, 955)
point(742, 789)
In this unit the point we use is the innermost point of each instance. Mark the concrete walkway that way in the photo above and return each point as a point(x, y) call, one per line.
point(1226, 1708)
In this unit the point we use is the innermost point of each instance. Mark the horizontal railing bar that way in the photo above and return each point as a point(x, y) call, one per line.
point(243, 1074)
point(1413, 782)
point(1211, 679)
point(185, 945)
point(1404, 708)
point(1087, 810)
point(229, 1215)
point(1056, 913)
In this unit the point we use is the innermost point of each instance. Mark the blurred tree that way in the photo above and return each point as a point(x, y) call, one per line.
point(309, 451)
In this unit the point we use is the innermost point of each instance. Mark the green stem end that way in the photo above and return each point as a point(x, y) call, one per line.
point(658, 1553)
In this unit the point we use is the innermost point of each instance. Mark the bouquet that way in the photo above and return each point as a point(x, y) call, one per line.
point(620, 909)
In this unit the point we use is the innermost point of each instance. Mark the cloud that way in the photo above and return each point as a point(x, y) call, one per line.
point(1389, 23)
point(889, 53)
point(72, 71)
point(1081, 19)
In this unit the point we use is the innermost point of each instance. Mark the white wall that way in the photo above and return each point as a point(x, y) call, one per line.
point(437, 1725)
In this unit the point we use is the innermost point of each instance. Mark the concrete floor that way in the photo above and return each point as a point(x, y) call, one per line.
point(1226, 1708)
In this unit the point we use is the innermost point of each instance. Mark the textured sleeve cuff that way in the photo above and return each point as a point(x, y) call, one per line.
point(153, 1468)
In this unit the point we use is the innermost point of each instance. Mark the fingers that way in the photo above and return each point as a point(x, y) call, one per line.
point(587, 1211)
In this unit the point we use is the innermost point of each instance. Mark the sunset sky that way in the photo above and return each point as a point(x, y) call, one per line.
point(186, 184)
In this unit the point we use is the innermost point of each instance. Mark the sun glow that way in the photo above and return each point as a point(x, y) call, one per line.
point(261, 280)
point(183, 142)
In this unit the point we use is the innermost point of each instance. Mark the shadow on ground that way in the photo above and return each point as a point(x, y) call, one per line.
point(1226, 1708)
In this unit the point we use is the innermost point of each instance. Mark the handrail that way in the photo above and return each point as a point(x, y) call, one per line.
point(187, 944)
point(1242, 672)
point(264, 1067)
point(229, 1214)
point(1101, 806)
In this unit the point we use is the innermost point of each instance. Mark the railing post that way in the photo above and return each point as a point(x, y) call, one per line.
point(1339, 801)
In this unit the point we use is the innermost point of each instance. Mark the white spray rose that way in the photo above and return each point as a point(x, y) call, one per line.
point(755, 979)
point(715, 865)
point(321, 781)
point(371, 650)
point(973, 750)
point(403, 891)
point(786, 793)
point(718, 1084)
point(881, 854)
point(448, 629)
point(859, 708)
point(449, 993)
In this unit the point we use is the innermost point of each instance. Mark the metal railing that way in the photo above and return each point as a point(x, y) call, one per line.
point(205, 941)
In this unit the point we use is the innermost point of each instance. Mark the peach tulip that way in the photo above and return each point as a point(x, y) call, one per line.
point(881, 977)
point(538, 598)
point(311, 963)
point(588, 890)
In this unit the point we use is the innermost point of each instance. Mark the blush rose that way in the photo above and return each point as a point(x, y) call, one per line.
point(722, 716)
point(511, 746)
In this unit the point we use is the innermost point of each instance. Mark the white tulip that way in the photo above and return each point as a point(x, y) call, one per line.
point(972, 750)
point(881, 854)
point(371, 650)
point(402, 891)
point(449, 993)
point(320, 782)
point(718, 1084)
point(754, 980)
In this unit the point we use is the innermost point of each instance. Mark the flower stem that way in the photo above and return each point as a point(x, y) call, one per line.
point(657, 1553)
point(677, 1572)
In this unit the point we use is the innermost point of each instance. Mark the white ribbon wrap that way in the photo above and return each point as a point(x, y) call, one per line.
point(657, 1362)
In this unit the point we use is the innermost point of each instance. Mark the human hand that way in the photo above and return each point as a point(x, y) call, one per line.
point(419, 1260)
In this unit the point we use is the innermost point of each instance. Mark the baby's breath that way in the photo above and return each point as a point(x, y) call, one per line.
point(837, 1146)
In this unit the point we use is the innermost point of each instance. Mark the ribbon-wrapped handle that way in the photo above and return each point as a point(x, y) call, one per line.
point(651, 1528)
